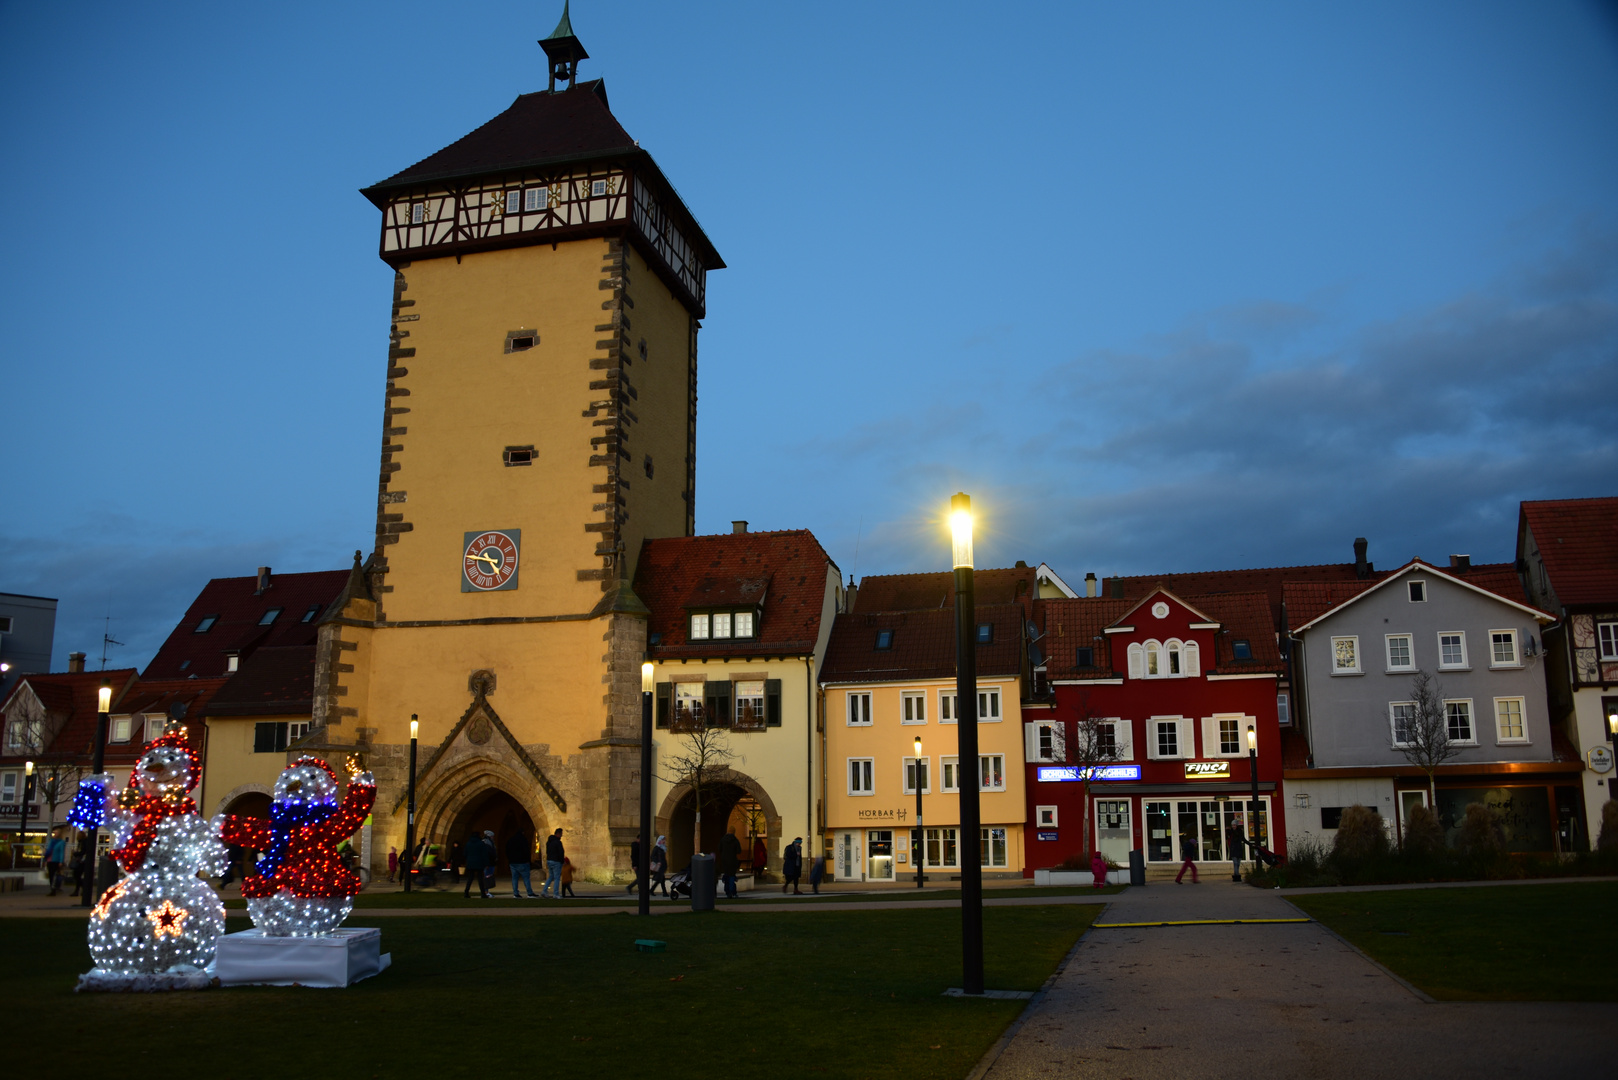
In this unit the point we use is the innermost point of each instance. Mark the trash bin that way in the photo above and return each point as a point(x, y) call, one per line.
point(1137, 867)
point(704, 875)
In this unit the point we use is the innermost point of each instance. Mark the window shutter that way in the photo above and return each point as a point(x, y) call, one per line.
point(1210, 737)
point(1189, 662)
point(1136, 664)
point(1030, 742)
point(1151, 739)
point(1121, 730)
point(772, 702)
point(1188, 732)
point(665, 703)
point(264, 738)
point(1059, 741)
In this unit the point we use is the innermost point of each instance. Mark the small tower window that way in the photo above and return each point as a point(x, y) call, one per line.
point(518, 455)
point(598, 187)
point(520, 340)
point(1418, 592)
point(533, 199)
point(418, 213)
point(513, 202)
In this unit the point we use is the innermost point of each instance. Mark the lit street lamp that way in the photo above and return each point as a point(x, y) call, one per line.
point(27, 795)
point(91, 878)
point(1252, 816)
point(966, 722)
point(642, 871)
point(410, 812)
point(915, 847)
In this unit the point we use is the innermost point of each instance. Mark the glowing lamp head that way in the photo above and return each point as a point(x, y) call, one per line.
point(646, 676)
point(413, 725)
point(918, 746)
point(1252, 738)
point(104, 703)
point(960, 528)
point(1612, 721)
point(28, 768)
point(306, 782)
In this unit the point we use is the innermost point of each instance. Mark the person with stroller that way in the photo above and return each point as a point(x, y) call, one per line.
point(659, 865)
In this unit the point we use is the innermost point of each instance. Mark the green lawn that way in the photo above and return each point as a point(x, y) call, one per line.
point(842, 994)
point(1493, 943)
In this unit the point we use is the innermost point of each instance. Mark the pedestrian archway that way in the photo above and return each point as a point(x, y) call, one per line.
point(497, 812)
point(732, 800)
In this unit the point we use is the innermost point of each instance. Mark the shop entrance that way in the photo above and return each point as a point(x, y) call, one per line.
point(1205, 824)
point(879, 842)
point(848, 857)
point(1113, 835)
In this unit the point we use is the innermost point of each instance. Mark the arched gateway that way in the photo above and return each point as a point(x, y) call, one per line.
point(731, 801)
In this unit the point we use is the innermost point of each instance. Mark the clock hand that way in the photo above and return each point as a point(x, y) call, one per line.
point(488, 559)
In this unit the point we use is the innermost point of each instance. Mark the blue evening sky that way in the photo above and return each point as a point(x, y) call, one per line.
point(1166, 286)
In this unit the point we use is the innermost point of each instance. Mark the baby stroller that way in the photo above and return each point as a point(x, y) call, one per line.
point(680, 884)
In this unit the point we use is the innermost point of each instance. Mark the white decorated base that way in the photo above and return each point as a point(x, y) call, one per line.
point(341, 958)
point(99, 981)
point(286, 915)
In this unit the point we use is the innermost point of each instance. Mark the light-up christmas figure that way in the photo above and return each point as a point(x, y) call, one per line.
point(300, 886)
point(156, 928)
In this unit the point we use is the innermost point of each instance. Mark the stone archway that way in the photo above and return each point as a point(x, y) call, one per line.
point(249, 800)
point(453, 801)
point(676, 817)
point(497, 811)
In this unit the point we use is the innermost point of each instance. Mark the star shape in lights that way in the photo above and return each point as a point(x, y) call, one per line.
point(167, 920)
point(104, 905)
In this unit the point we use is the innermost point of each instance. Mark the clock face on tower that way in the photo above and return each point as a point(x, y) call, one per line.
point(489, 561)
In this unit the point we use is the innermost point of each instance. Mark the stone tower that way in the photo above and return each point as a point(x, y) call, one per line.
point(539, 423)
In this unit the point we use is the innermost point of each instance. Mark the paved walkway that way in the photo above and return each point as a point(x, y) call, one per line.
point(1276, 1000)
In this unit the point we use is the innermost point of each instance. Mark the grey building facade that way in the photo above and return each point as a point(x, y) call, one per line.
point(27, 635)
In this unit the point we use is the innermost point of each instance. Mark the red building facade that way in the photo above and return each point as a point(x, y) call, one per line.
point(1174, 685)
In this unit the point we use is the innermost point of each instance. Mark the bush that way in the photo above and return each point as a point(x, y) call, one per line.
point(1360, 837)
point(1423, 835)
point(1479, 835)
point(1608, 839)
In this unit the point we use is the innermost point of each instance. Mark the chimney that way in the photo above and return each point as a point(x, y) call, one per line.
point(738, 526)
point(1362, 569)
point(1090, 584)
point(263, 580)
point(1460, 562)
point(850, 594)
point(75, 662)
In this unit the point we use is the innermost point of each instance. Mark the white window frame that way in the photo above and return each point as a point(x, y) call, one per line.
point(989, 703)
point(1354, 644)
point(1393, 720)
point(1471, 721)
point(986, 840)
point(119, 730)
point(154, 727)
point(1213, 744)
point(1184, 738)
point(753, 700)
point(1500, 736)
point(721, 625)
point(1446, 666)
point(949, 774)
point(533, 199)
point(905, 766)
point(683, 691)
point(858, 709)
point(10, 787)
point(737, 619)
point(1424, 591)
point(987, 761)
point(297, 729)
point(1283, 708)
point(699, 627)
point(1410, 650)
point(1122, 737)
point(947, 712)
point(1137, 661)
point(1045, 740)
point(855, 775)
point(1494, 647)
point(598, 189)
point(1607, 640)
point(514, 201)
point(935, 835)
point(418, 213)
point(1045, 817)
point(913, 707)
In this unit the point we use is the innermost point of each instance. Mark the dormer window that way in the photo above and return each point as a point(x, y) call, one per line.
point(884, 640)
point(744, 624)
point(206, 624)
point(723, 625)
point(1241, 649)
point(699, 628)
point(270, 616)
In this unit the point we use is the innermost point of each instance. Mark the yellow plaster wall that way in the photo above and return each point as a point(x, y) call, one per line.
point(231, 762)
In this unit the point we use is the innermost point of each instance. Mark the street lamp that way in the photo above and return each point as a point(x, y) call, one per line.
point(915, 847)
point(410, 812)
point(1252, 817)
point(966, 721)
point(87, 842)
point(27, 794)
point(645, 862)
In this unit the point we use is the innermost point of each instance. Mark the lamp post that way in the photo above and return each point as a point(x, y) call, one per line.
point(915, 847)
point(1252, 816)
point(87, 842)
point(27, 794)
point(642, 870)
point(966, 722)
point(410, 812)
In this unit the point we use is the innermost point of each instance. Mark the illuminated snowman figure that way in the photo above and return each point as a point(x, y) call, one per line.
point(162, 919)
point(300, 886)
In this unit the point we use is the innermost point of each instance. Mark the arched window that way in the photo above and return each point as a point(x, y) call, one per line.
point(1137, 667)
point(1191, 660)
point(1152, 669)
point(1174, 658)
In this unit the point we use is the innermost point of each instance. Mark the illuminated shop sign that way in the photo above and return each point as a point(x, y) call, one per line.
point(1207, 770)
point(1049, 774)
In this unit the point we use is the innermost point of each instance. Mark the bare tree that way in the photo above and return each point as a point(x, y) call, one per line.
point(1421, 730)
point(1094, 745)
point(702, 756)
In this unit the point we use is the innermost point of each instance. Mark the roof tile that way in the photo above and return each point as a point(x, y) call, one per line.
point(1578, 541)
point(922, 645)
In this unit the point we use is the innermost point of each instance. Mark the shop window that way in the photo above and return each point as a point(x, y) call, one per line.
point(859, 710)
point(941, 848)
point(993, 847)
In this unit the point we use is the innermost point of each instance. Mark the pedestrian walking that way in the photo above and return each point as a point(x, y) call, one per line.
point(479, 854)
point(55, 856)
point(520, 857)
point(554, 854)
point(1188, 850)
point(567, 876)
point(457, 859)
point(659, 864)
point(761, 858)
point(1099, 868)
point(634, 865)
point(792, 867)
point(1237, 843)
point(730, 860)
point(393, 864)
point(75, 866)
point(817, 873)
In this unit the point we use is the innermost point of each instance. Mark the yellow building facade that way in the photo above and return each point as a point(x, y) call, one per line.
point(538, 426)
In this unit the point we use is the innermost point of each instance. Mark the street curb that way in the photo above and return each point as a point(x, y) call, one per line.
point(1419, 994)
point(986, 1062)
